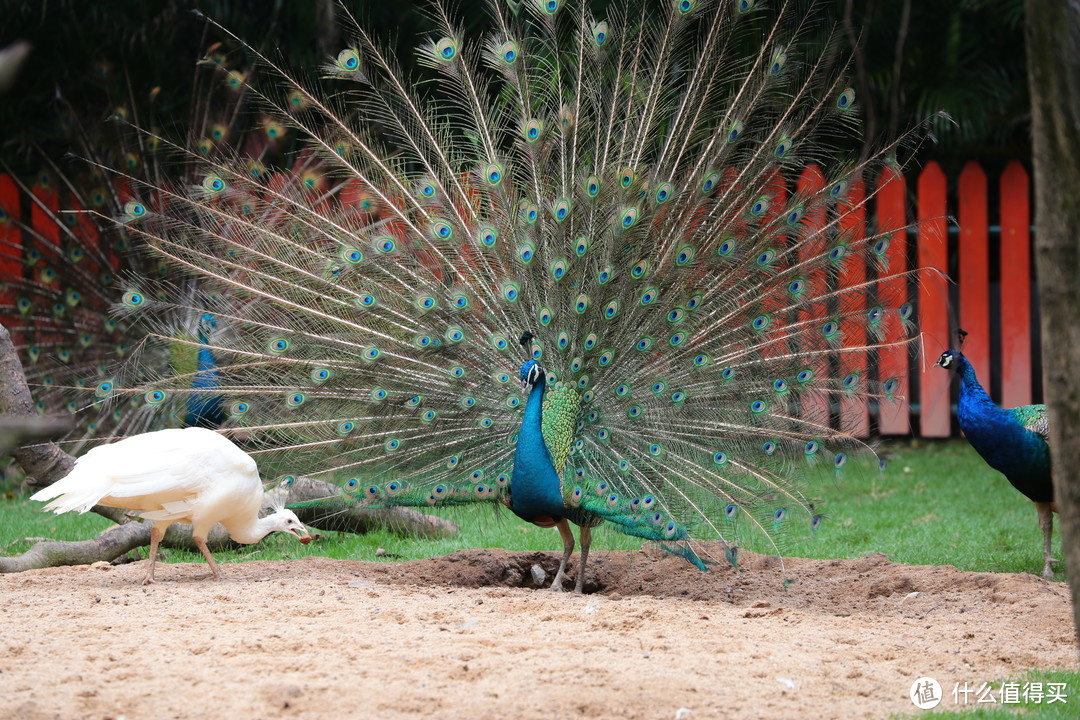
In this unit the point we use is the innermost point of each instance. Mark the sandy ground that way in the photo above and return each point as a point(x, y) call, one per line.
point(468, 636)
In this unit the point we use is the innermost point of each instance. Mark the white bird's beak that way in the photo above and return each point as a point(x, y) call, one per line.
point(301, 535)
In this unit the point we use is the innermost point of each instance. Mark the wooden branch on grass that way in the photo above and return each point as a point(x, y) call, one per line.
point(347, 517)
point(46, 463)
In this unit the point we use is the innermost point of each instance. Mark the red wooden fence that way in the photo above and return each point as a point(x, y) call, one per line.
point(1009, 377)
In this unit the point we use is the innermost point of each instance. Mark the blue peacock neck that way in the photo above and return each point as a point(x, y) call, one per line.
point(970, 389)
point(534, 485)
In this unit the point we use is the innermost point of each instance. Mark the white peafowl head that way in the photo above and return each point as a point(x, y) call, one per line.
point(284, 520)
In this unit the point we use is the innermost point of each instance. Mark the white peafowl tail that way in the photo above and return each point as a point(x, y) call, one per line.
point(603, 191)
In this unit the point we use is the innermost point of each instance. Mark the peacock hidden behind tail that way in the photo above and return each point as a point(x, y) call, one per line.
point(611, 192)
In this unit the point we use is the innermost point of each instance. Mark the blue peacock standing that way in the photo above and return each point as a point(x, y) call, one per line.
point(591, 206)
point(1013, 441)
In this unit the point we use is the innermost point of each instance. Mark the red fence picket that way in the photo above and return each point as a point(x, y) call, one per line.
point(893, 418)
point(854, 414)
point(934, 418)
point(1015, 287)
point(973, 276)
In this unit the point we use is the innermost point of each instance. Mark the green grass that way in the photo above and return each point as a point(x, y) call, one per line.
point(937, 503)
point(1044, 710)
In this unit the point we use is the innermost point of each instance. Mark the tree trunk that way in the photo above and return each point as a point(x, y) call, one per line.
point(1053, 39)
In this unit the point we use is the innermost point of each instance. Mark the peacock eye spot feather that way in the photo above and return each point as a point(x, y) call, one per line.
point(348, 60)
point(508, 51)
point(846, 98)
point(446, 49)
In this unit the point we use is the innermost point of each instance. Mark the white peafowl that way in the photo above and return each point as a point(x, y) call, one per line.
point(192, 475)
point(593, 207)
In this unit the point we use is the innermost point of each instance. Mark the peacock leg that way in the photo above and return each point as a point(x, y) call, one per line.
point(156, 533)
point(1046, 522)
point(586, 540)
point(568, 547)
point(201, 544)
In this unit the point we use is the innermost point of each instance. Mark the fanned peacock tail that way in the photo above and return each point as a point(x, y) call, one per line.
point(609, 190)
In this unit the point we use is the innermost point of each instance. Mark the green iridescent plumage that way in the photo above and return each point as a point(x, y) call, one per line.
point(562, 404)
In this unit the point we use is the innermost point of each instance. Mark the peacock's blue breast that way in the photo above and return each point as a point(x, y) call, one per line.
point(1019, 454)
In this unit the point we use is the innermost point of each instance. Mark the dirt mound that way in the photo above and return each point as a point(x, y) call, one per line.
point(468, 635)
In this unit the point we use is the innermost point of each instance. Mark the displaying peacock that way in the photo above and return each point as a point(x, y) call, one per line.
point(593, 207)
point(1012, 441)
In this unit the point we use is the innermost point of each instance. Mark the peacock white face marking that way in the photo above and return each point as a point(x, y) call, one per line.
point(531, 373)
point(286, 521)
point(946, 359)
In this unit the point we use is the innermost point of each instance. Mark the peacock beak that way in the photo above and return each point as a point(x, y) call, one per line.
point(301, 535)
